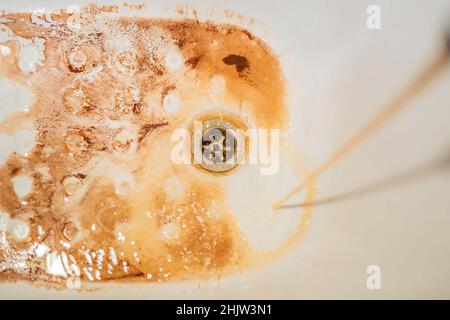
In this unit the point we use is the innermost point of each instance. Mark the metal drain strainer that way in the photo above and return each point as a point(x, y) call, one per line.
point(221, 146)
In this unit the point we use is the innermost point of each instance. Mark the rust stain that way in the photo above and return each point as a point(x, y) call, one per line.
point(97, 75)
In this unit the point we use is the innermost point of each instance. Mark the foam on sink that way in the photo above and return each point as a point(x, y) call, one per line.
point(22, 185)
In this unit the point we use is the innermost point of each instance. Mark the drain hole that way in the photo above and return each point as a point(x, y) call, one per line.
point(221, 146)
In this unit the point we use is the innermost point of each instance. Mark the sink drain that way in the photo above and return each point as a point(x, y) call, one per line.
point(221, 146)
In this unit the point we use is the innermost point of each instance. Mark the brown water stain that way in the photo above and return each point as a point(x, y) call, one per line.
point(89, 87)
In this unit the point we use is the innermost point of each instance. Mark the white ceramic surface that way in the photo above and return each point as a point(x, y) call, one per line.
point(339, 74)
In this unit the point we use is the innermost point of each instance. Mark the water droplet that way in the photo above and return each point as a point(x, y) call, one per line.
point(170, 231)
point(22, 185)
point(171, 103)
point(77, 60)
point(70, 231)
point(4, 219)
point(174, 188)
point(19, 229)
point(173, 60)
point(124, 182)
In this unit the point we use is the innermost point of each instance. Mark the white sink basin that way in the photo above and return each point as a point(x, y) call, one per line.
point(384, 204)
